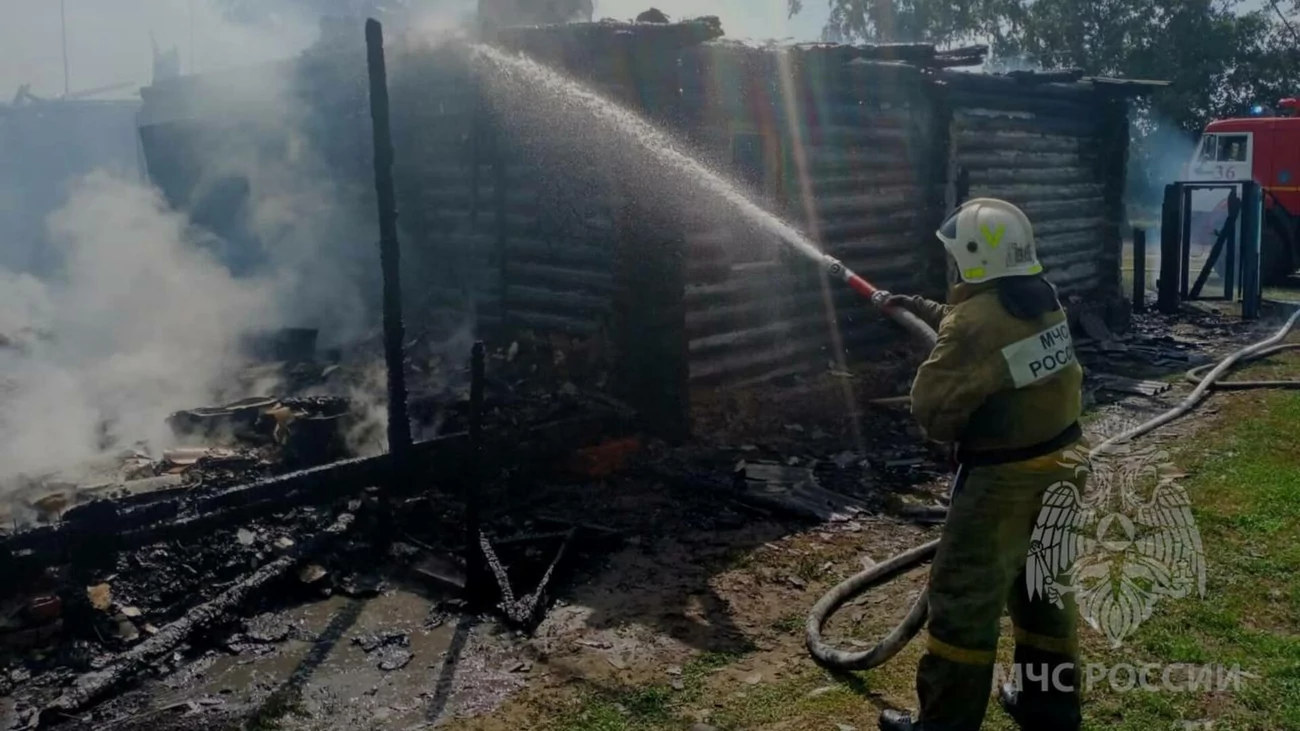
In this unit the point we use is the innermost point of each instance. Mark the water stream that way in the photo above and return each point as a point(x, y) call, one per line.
point(580, 128)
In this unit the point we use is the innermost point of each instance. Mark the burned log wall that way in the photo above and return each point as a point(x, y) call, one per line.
point(492, 235)
point(866, 156)
point(450, 202)
point(842, 150)
point(1050, 149)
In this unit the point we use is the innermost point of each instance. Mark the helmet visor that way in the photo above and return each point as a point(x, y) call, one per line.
point(948, 230)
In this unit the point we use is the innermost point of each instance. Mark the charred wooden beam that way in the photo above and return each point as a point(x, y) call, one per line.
point(920, 54)
point(938, 168)
point(522, 611)
point(473, 556)
point(591, 37)
point(399, 424)
point(104, 526)
point(1061, 76)
point(93, 686)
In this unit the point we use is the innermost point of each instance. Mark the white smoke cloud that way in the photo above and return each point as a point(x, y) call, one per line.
point(110, 42)
point(141, 315)
point(141, 322)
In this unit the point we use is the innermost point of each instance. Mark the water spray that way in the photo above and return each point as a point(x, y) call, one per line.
point(630, 129)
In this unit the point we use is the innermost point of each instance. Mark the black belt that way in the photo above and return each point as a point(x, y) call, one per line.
point(986, 457)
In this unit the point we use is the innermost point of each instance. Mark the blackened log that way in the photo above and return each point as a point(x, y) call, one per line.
point(1062, 76)
point(103, 525)
point(91, 687)
point(475, 567)
point(544, 39)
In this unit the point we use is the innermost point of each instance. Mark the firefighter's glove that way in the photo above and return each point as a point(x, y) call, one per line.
point(888, 299)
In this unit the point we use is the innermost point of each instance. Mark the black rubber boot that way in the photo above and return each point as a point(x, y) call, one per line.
point(1036, 709)
point(1009, 699)
point(897, 721)
point(1031, 715)
point(902, 721)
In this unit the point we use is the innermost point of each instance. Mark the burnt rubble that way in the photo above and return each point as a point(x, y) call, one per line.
point(127, 585)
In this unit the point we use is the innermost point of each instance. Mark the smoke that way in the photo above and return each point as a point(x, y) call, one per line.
point(140, 322)
point(1159, 153)
point(297, 221)
point(148, 296)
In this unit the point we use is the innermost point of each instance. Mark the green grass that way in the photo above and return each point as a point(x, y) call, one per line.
point(790, 623)
point(1245, 492)
point(653, 707)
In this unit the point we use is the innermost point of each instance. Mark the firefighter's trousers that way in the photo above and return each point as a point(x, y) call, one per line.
point(978, 570)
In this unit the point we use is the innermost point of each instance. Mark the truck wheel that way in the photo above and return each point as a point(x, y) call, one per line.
point(1275, 261)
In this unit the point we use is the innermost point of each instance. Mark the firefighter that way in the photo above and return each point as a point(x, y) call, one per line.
point(1002, 389)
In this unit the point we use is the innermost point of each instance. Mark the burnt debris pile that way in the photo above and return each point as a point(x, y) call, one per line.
point(289, 496)
point(519, 478)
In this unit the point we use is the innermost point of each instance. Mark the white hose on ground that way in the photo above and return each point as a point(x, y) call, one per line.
point(853, 587)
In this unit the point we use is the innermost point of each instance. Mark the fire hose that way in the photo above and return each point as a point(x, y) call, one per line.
point(882, 573)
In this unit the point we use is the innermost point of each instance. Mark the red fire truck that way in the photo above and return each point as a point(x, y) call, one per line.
point(1266, 147)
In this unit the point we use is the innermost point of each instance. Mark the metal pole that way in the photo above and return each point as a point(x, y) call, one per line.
point(1251, 231)
point(399, 424)
point(1230, 273)
point(63, 24)
point(1170, 250)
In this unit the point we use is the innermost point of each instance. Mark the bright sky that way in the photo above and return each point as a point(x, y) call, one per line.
point(108, 40)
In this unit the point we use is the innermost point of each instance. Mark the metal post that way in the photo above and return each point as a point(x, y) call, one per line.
point(1140, 270)
point(1185, 243)
point(1233, 244)
point(1252, 211)
point(399, 424)
point(1170, 251)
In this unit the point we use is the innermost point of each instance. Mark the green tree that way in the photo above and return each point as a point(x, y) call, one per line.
point(938, 21)
point(1217, 58)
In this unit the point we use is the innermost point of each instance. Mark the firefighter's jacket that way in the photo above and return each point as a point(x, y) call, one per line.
point(994, 382)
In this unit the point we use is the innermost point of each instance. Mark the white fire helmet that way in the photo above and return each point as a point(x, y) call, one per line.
point(990, 239)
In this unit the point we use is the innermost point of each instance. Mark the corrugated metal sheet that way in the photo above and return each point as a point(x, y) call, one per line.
point(1040, 147)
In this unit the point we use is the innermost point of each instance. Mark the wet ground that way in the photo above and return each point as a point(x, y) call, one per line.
point(392, 661)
